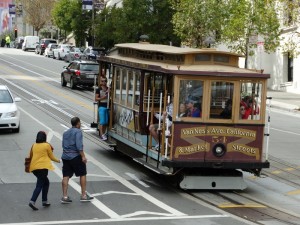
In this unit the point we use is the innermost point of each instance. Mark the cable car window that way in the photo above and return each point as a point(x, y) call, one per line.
point(118, 85)
point(221, 58)
point(250, 100)
point(190, 98)
point(156, 84)
point(130, 88)
point(123, 85)
point(221, 100)
point(137, 79)
point(202, 57)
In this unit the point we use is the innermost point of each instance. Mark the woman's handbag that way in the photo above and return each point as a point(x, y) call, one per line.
point(28, 161)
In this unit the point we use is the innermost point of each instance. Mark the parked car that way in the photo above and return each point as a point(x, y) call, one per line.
point(30, 42)
point(9, 113)
point(80, 73)
point(74, 54)
point(91, 53)
point(40, 48)
point(61, 51)
point(49, 50)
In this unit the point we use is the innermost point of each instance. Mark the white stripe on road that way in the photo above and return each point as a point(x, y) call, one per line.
point(137, 179)
point(159, 218)
point(96, 202)
point(113, 192)
point(284, 131)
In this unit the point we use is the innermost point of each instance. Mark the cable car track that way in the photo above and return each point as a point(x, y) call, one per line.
point(284, 171)
point(246, 207)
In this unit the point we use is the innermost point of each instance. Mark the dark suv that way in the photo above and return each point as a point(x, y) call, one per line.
point(40, 48)
point(80, 73)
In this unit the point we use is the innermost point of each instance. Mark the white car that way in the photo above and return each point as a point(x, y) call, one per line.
point(49, 49)
point(61, 51)
point(9, 113)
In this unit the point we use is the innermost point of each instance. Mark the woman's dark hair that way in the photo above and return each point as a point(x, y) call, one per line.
point(75, 121)
point(41, 137)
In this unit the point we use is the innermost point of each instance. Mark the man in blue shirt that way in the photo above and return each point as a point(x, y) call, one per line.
point(74, 160)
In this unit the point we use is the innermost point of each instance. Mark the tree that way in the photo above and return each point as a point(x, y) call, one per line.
point(61, 14)
point(136, 18)
point(234, 23)
point(196, 20)
point(289, 14)
point(68, 16)
point(37, 12)
point(248, 18)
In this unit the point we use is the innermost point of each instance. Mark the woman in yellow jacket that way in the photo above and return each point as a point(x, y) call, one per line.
point(42, 154)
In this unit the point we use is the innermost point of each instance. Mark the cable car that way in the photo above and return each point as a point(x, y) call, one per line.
point(186, 112)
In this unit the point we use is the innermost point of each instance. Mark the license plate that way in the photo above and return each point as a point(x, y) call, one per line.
point(90, 76)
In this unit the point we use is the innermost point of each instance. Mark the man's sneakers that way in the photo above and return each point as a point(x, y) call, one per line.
point(86, 198)
point(103, 137)
point(65, 200)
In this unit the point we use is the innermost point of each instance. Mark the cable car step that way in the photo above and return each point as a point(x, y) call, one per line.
point(213, 182)
point(149, 166)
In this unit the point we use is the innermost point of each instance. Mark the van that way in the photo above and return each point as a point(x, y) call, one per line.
point(30, 42)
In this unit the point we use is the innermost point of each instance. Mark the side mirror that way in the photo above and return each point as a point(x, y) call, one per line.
point(17, 99)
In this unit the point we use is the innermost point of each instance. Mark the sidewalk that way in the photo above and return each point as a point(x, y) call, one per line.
point(284, 100)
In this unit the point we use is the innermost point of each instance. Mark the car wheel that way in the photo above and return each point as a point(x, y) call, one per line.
point(53, 56)
point(41, 53)
point(58, 57)
point(63, 81)
point(65, 59)
point(72, 83)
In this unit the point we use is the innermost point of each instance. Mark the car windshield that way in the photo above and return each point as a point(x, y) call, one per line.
point(5, 97)
point(89, 67)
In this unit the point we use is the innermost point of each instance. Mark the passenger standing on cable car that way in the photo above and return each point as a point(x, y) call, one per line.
point(101, 97)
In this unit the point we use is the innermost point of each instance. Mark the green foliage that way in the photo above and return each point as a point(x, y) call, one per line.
point(137, 17)
point(196, 20)
point(68, 16)
point(232, 22)
point(62, 15)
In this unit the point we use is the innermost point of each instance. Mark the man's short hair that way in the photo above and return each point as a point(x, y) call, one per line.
point(75, 121)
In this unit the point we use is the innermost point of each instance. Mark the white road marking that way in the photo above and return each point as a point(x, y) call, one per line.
point(64, 126)
point(96, 175)
point(113, 192)
point(96, 202)
point(23, 68)
point(137, 179)
point(138, 213)
point(49, 136)
point(284, 131)
point(120, 220)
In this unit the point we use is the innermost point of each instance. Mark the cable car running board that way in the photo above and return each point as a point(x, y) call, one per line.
point(213, 182)
point(149, 166)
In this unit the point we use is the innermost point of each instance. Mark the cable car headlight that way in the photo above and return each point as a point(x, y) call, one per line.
point(219, 150)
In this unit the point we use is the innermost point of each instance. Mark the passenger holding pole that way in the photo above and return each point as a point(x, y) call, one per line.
point(167, 115)
point(102, 95)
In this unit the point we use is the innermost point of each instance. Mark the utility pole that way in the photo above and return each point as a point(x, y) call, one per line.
point(93, 24)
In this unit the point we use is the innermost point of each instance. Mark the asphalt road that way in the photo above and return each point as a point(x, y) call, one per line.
point(125, 192)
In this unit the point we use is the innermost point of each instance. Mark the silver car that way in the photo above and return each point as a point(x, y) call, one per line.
point(74, 54)
point(61, 50)
point(49, 50)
